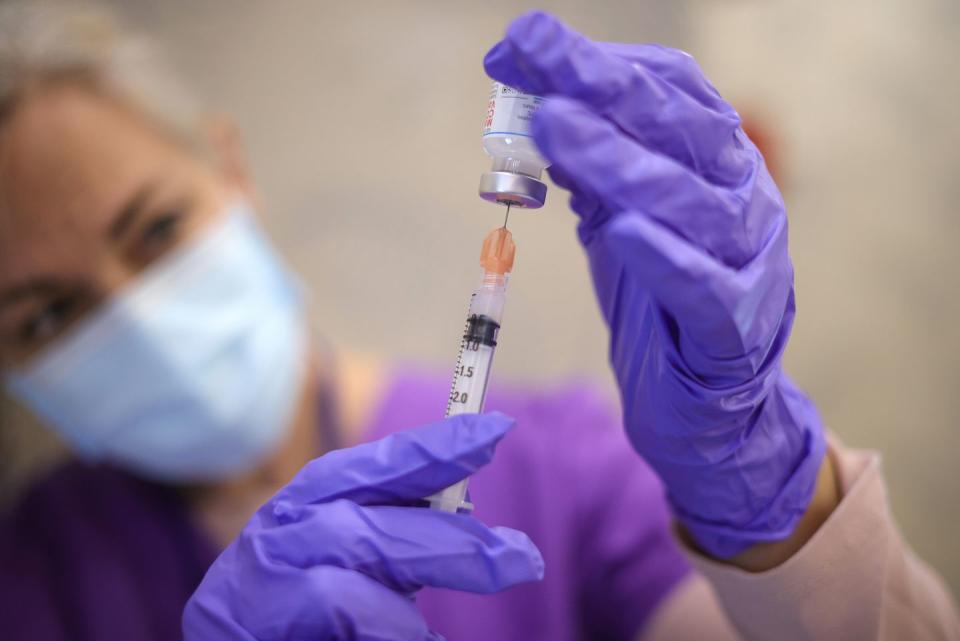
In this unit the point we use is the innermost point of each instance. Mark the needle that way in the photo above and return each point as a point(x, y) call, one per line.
point(508, 215)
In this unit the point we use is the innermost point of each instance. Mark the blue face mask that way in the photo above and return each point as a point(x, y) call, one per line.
point(192, 373)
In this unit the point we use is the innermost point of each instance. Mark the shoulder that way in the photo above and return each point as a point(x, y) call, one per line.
point(85, 526)
point(79, 506)
point(70, 507)
point(70, 488)
point(39, 539)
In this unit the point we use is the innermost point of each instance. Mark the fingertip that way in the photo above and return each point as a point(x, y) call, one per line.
point(469, 439)
point(534, 568)
point(495, 59)
point(487, 427)
point(502, 421)
point(533, 42)
point(505, 62)
point(501, 65)
point(533, 30)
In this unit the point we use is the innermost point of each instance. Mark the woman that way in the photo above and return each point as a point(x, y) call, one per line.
point(146, 319)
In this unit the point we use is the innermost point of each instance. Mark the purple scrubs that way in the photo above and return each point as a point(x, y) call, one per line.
point(92, 553)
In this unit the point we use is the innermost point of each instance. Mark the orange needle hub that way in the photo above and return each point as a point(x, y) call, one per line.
point(498, 251)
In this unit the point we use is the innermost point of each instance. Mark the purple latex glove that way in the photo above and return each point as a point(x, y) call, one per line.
point(340, 551)
point(686, 235)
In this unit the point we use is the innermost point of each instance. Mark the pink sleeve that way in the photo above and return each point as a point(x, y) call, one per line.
point(855, 579)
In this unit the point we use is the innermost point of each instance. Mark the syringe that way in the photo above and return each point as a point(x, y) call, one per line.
point(477, 346)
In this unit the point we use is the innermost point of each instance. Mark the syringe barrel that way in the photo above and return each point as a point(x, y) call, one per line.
point(490, 296)
point(472, 372)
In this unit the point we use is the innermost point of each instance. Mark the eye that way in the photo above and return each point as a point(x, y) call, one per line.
point(159, 234)
point(48, 322)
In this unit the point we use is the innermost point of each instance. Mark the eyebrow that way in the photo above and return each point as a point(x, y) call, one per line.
point(45, 285)
point(129, 213)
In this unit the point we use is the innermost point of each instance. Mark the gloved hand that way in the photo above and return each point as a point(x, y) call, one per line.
point(686, 235)
point(340, 551)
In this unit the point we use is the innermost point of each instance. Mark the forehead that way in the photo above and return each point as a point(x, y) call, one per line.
point(68, 160)
point(67, 150)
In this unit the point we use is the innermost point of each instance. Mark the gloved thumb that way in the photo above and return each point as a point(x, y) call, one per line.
point(404, 466)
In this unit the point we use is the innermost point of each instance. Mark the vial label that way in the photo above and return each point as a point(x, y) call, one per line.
point(510, 111)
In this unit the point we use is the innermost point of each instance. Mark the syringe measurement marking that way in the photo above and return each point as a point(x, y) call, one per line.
point(480, 330)
point(466, 333)
point(461, 373)
point(453, 384)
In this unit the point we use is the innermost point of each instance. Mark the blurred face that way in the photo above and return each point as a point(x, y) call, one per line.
point(90, 195)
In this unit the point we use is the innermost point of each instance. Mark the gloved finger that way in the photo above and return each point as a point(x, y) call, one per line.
point(725, 318)
point(626, 176)
point(677, 67)
point(404, 548)
point(542, 55)
point(588, 206)
point(322, 602)
point(401, 467)
point(677, 274)
point(672, 65)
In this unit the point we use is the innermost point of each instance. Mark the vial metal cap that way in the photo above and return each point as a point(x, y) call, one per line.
point(519, 190)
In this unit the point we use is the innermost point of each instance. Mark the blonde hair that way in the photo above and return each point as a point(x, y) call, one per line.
point(48, 41)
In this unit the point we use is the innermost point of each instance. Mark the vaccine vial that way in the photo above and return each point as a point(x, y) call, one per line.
point(517, 168)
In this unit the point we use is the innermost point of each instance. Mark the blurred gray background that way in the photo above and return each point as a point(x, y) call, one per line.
point(362, 121)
